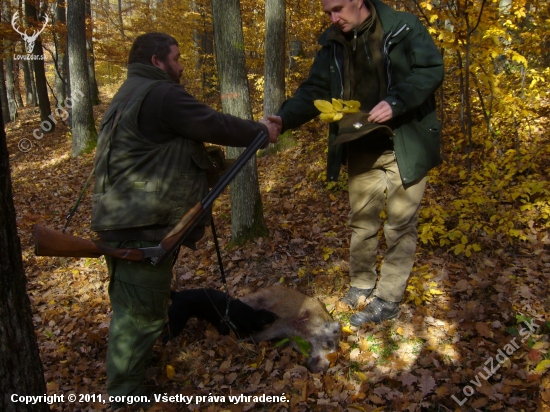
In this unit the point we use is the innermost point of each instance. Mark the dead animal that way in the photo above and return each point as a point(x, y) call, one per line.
point(212, 305)
point(297, 315)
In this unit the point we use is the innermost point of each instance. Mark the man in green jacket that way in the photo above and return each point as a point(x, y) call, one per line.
point(388, 62)
point(152, 170)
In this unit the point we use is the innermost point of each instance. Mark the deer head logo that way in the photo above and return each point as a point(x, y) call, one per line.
point(29, 40)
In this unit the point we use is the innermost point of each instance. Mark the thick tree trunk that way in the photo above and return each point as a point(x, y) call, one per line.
point(21, 370)
point(83, 129)
point(10, 83)
point(61, 54)
point(247, 219)
point(274, 83)
point(39, 71)
point(94, 91)
point(4, 95)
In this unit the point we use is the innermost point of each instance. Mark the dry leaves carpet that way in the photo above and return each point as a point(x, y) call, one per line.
point(441, 350)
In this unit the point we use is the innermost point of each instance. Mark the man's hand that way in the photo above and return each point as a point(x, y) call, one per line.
point(277, 120)
point(380, 113)
point(273, 128)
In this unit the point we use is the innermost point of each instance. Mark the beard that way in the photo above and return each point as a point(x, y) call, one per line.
point(174, 75)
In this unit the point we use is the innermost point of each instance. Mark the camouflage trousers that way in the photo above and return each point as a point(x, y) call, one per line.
point(139, 294)
point(375, 184)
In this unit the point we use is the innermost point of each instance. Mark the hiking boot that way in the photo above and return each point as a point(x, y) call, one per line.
point(353, 295)
point(377, 311)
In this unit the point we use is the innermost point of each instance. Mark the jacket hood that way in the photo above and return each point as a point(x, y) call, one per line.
point(148, 71)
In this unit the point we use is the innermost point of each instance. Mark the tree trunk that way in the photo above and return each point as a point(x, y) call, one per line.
point(83, 129)
point(60, 53)
point(10, 83)
point(274, 84)
point(8, 59)
point(121, 22)
point(94, 91)
point(247, 219)
point(21, 370)
point(4, 96)
point(30, 95)
point(17, 83)
point(39, 71)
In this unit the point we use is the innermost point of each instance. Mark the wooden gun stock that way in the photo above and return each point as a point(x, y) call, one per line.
point(178, 233)
point(50, 242)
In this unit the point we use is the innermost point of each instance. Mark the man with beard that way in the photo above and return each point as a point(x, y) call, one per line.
point(151, 172)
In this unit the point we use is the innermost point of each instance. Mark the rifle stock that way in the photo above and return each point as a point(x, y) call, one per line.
point(178, 233)
point(50, 242)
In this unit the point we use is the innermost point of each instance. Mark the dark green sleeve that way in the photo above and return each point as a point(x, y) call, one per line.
point(416, 78)
point(300, 109)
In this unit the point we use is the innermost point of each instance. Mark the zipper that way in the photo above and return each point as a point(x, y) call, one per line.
point(366, 51)
point(400, 30)
point(387, 44)
point(340, 74)
point(354, 39)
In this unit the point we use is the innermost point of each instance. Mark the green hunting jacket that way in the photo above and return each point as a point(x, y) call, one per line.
point(146, 181)
point(414, 69)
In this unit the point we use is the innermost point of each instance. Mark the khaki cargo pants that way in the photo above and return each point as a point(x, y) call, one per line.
point(139, 294)
point(374, 182)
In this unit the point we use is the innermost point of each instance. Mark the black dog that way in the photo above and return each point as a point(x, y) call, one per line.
point(211, 305)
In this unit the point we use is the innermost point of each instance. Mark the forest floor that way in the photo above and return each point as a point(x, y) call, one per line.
point(472, 334)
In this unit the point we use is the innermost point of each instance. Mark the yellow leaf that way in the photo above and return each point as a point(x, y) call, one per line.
point(170, 372)
point(337, 104)
point(338, 116)
point(327, 117)
point(361, 376)
point(323, 106)
point(346, 330)
point(347, 110)
point(353, 103)
point(282, 279)
point(399, 330)
point(540, 345)
point(542, 366)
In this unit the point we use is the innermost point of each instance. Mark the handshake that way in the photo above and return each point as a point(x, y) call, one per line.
point(274, 126)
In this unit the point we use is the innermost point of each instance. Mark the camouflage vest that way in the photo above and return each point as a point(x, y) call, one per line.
point(140, 183)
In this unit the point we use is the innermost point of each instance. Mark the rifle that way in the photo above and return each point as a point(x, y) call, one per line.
point(50, 242)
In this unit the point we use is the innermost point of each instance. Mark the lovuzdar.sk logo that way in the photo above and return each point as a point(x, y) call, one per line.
point(28, 39)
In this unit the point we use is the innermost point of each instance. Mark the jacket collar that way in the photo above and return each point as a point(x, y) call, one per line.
point(387, 16)
point(148, 71)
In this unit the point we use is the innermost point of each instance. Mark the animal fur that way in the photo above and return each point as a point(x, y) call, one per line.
point(298, 315)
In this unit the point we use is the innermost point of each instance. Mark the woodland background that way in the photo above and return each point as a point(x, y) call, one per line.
point(483, 262)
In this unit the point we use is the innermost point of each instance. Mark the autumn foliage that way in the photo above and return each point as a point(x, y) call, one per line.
point(481, 278)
